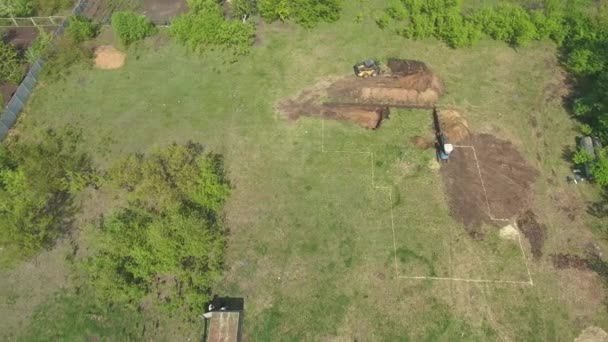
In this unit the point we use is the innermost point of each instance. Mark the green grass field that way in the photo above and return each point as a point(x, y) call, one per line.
point(317, 245)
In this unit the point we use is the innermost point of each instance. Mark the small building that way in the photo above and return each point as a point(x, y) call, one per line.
point(224, 320)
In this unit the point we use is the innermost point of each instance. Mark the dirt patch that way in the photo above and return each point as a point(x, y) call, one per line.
point(367, 117)
point(418, 90)
point(22, 38)
point(7, 91)
point(534, 231)
point(108, 57)
point(422, 143)
point(565, 261)
point(162, 11)
point(406, 67)
point(453, 125)
point(507, 180)
point(592, 334)
point(509, 233)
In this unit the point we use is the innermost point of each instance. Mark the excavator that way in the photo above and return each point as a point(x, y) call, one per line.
point(367, 68)
point(444, 148)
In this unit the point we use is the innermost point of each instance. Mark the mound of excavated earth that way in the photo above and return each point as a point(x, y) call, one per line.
point(108, 57)
point(486, 178)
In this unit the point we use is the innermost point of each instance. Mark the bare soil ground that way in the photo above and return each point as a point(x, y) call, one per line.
point(22, 38)
point(506, 175)
point(161, 11)
point(108, 57)
point(406, 67)
point(535, 232)
point(420, 90)
point(453, 125)
point(7, 90)
point(564, 261)
point(365, 101)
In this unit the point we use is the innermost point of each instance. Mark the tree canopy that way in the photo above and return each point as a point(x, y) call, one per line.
point(168, 242)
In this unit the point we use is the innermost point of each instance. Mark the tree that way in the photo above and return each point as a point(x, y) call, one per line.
point(169, 240)
point(307, 13)
point(244, 8)
point(10, 68)
point(37, 183)
point(130, 27)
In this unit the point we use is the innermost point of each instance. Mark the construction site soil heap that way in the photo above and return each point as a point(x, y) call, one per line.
point(366, 101)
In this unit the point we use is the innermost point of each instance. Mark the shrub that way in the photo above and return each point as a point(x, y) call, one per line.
point(207, 28)
point(130, 27)
point(599, 170)
point(581, 157)
point(39, 46)
point(81, 28)
point(50, 7)
point(307, 13)
point(170, 236)
point(63, 55)
point(10, 66)
point(15, 8)
point(35, 188)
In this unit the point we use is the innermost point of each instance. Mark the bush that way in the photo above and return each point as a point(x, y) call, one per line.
point(50, 7)
point(207, 28)
point(63, 55)
point(10, 65)
point(599, 170)
point(130, 27)
point(307, 13)
point(81, 28)
point(15, 8)
point(39, 46)
point(170, 237)
point(582, 157)
point(36, 189)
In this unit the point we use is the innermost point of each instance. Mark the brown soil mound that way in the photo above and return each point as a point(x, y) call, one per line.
point(418, 90)
point(367, 117)
point(533, 231)
point(563, 261)
point(406, 67)
point(506, 176)
point(107, 57)
point(453, 125)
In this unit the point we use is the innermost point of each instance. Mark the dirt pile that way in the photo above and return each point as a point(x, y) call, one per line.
point(367, 117)
point(592, 334)
point(108, 57)
point(418, 90)
point(406, 67)
point(565, 261)
point(534, 231)
point(486, 179)
point(453, 125)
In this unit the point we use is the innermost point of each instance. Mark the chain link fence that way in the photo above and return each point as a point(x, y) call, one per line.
point(14, 107)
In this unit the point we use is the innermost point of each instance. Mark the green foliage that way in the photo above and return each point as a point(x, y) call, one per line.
point(507, 22)
point(50, 7)
point(130, 27)
point(307, 13)
point(35, 188)
point(63, 55)
point(599, 170)
point(15, 8)
point(581, 157)
point(10, 66)
point(81, 28)
point(206, 28)
point(39, 46)
point(169, 240)
point(244, 8)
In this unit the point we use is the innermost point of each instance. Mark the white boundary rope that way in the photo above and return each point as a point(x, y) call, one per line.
point(371, 155)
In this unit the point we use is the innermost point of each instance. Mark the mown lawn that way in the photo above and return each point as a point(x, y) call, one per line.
point(313, 249)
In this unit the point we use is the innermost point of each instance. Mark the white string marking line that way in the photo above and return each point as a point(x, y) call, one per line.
point(530, 282)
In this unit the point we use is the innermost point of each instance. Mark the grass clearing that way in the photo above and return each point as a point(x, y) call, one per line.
point(311, 245)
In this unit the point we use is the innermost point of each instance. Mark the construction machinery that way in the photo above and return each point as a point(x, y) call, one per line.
point(443, 146)
point(367, 68)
